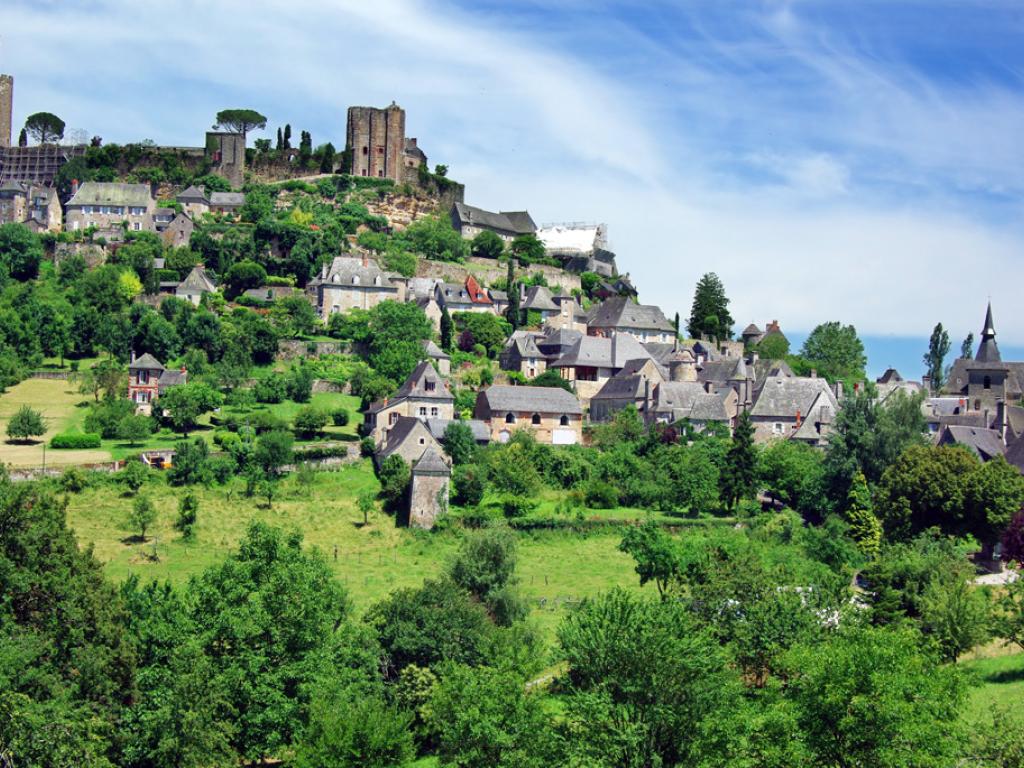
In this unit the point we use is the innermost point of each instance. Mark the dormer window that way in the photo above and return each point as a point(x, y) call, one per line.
point(429, 386)
point(376, 280)
point(355, 279)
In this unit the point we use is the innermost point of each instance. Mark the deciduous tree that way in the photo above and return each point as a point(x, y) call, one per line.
point(934, 358)
point(25, 423)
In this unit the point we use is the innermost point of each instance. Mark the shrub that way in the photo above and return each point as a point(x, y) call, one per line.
point(74, 480)
point(367, 447)
point(75, 440)
point(222, 468)
point(320, 452)
point(310, 421)
point(226, 440)
point(133, 475)
point(105, 418)
point(468, 485)
point(272, 389)
point(602, 495)
point(340, 417)
point(517, 506)
point(300, 383)
point(188, 510)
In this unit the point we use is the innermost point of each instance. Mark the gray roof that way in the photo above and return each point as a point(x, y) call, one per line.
point(603, 352)
point(347, 270)
point(539, 298)
point(109, 193)
point(455, 295)
point(500, 398)
point(622, 387)
point(432, 462)
point(227, 198)
point(497, 295)
point(404, 428)
point(560, 339)
point(198, 280)
point(891, 376)
point(524, 346)
point(751, 330)
point(984, 443)
point(172, 378)
point(622, 312)
point(785, 397)
point(988, 351)
point(434, 352)
point(689, 400)
point(193, 194)
point(416, 385)
point(513, 222)
point(145, 362)
point(479, 429)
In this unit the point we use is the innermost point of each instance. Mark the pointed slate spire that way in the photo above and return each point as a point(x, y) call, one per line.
point(988, 351)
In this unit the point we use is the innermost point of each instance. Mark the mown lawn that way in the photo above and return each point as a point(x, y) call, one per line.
point(999, 679)
point(556, 568)
point(63, 409)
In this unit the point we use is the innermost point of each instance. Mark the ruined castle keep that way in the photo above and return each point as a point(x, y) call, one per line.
point(6, 109)
point(375, 140)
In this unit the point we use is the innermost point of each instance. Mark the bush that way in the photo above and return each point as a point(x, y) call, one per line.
point(75, 440)
point(468, 485)
point(133, 476)
point(517, 506)
point(222, 468)
point(340, 417)
point(300, 383)
point(74, 480)
point(320, 452)
point(310, 421)
point(105, 418)
point(188, 511)
point(602, 495)
point(272, 389)
point(367, 447)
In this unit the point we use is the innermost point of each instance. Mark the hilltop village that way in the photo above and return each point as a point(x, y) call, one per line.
point(310, 461)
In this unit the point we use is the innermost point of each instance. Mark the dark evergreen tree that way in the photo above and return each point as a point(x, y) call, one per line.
point(446, 330)
point(327, 158)
point(287, 136)
point(709, 315)
point(280, 140)
point(512, 313)
point(938, 348)
point(23, 138)
point(740, 472)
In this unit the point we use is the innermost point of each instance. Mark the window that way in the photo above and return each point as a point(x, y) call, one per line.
point(777, 428)
point(392, 417)
point(434, 412)
point(423, 410)
point(380, 172)
point(987, 384)
point(380, 150)
point(355, 279)
point(564, 421)
point(137, 226)
point(136, 211)
point(423, 441)
point(143, 377)
point(429, 386)
point(510, 418)
point(366, 151)
point(535, 419)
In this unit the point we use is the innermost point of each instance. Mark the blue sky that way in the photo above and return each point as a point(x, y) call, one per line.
point(853, 161)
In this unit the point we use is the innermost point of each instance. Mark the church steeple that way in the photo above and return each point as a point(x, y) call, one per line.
point(988, 351)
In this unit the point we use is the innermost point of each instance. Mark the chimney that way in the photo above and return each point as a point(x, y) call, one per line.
point(184, 369)
point(839, 390)
point(856, 387)
point(814, 373)
point(798, 418)
point(1001, 419)
point(74, 187)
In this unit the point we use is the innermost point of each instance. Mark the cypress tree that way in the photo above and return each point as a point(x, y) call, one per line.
point(446, 330)
point(280, 140)
point(287, 136)
point(739, 475)
point(512, 313)
point(865, 528)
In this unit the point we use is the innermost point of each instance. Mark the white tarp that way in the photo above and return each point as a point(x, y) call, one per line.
point(582, 238)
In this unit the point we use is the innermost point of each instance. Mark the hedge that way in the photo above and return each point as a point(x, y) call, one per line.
point(75, 440)
point(320, 452)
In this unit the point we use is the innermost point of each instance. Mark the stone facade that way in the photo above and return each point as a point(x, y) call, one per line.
point(428, 494)
point(32, 205)
point(6, 109)
point(108, 206)
point(226, 155)
point(375, 140)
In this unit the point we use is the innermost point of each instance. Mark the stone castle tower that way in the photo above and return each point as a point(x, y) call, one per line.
point(375, 140)
point(6, 109)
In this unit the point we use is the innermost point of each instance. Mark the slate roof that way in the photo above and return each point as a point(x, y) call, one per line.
point(891, 376)
point(817, 422)
point(557, 341)
point(619, 387)
point(171, 378)
point(602, 352)
point(193, 194)
point(479, 429)
point(198, 280)
point(689, 400)
point(524, 346)
point(405, 428)
point(986, 444)
point(455, 295)
point(784, 397)
point(110, 193)
point(415, 385)
point(227, 198)
point(751, 330)
point(431, 462)
point(434, 352)
point(513, 222)
point(343, 269)
point(538, 298)
point(1015, 455)
point(621, 312)
point(498, 296)
point(145, 362)
point(500, 398)
point(988, 350)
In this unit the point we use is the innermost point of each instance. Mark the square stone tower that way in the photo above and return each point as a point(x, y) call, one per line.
point(376, 140)
point(6, 109)
point(226, 155)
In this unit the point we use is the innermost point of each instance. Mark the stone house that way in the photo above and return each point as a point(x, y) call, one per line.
point(676, 401)
point(522, 355)
point(110, 207)
point(538, 299)
point(592, 360)
point(195, 284)
point(467, 297)
point(424, 395)
point(794, 408)
point(620, 314)
point(377, 146)
point(552, 414)
point(148, 379)
point(176, 231)
point(432, 310)
point(429, 489)
point(469, 221)
point(984, 443)
point(570, 314)
point(194, 201)
point(352, 283)
point(633, 385)
point(227, 202)
point(408, 437)
point(30, 204)
point(987, 379)
point(752, 335)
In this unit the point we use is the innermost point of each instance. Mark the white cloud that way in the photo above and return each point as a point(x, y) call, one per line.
point(658, 139)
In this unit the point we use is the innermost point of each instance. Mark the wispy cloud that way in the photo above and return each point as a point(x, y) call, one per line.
point(826, 159)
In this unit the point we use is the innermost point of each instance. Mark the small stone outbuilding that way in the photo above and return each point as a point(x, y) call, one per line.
point(428, 495)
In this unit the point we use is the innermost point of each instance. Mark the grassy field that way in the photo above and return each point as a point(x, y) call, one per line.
point(65, 409)
point(998, 672)
point(556, 568)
